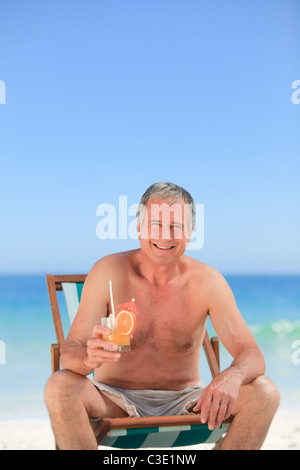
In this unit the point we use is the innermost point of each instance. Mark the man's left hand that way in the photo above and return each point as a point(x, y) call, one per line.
point(218, 399)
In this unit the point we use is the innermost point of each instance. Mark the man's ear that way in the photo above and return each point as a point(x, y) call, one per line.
point(189, 237)
point(138, 229)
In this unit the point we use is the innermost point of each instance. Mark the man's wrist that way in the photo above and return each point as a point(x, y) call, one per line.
point(237, 373)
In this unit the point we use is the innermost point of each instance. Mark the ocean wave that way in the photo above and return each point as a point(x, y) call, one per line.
point(279, 328)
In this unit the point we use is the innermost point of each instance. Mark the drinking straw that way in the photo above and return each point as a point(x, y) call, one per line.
point(112, 300)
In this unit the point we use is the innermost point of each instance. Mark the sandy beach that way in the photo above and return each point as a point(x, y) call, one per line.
point(284, 434)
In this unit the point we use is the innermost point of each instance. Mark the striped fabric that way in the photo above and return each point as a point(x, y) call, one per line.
point(134, 438)
point(72, 292)
point(165, 436)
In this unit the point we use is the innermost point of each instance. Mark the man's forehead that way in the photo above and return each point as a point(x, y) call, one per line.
point(163, 208)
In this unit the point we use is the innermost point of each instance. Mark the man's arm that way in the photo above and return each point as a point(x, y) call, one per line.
point(83, 350)
point(234, 333)
point(218, 399)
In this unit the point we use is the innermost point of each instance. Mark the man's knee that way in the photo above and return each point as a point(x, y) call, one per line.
point(266, 393)
point(62, 385)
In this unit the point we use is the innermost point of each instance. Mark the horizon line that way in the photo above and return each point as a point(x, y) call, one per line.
point(71, 272)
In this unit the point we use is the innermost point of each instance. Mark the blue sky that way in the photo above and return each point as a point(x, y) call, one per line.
point(103, 98)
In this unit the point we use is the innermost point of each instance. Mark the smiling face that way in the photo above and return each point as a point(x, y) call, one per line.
point(165, 230)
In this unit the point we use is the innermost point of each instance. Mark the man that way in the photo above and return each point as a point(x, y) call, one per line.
point(174, 295)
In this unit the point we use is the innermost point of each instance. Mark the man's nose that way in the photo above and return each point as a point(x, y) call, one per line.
point(166, 233)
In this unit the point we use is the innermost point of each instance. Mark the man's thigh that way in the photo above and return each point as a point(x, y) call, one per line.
point(100, 406)
point(67, 386)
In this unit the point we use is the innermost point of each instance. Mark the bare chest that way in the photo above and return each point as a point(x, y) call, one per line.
point(170, 320)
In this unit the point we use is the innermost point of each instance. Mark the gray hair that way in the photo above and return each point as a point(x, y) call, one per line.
point(169, 192)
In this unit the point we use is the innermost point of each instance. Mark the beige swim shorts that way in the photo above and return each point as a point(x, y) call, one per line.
point(153, 402)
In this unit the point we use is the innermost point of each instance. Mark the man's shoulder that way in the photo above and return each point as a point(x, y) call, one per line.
point(204, 272)
point(203, 269)
point(113, 261)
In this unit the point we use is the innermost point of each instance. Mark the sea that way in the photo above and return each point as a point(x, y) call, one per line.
point(270, 306)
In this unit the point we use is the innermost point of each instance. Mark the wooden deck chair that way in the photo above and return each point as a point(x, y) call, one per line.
point(133, 433)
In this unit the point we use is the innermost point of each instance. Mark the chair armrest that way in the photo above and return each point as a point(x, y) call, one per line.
point(154, 421)
point(216, 347)
point(55, 353)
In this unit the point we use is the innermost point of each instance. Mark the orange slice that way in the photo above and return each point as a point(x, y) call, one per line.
point(125, 322)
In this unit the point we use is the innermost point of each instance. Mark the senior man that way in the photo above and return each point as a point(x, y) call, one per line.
point(174, 294)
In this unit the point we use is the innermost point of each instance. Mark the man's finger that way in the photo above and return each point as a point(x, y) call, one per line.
point(205, 406)
point(198, 405)
point(214, 410)
point(222, 413)
point(230, 409)
point(107, 357)
point(99, 330)
point(96, 343)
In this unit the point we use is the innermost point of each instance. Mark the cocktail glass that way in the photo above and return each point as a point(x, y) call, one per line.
point(116, 337)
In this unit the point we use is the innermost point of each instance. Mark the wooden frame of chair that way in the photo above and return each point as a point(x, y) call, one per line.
point(210, 346)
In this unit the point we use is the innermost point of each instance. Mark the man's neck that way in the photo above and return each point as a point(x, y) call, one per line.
point(157, 275)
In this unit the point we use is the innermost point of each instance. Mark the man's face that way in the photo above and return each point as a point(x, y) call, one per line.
point(165, 232)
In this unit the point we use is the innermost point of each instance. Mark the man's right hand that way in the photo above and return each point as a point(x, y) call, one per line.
point(97, 348)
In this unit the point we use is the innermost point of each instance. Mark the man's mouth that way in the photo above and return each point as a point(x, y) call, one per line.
point(163, 247)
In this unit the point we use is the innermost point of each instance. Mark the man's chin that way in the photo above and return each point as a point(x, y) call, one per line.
point(164, 257)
